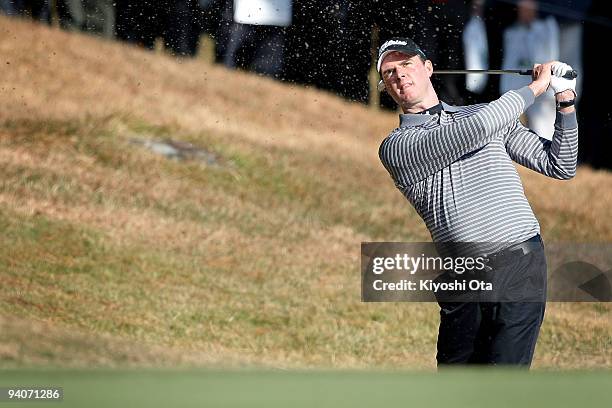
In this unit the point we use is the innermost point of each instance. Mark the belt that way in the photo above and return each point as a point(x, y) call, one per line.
point(515, 251)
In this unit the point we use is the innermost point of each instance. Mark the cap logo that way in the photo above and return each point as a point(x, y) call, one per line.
point(392, 42)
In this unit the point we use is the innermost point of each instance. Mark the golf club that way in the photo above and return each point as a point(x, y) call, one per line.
point(568, 75)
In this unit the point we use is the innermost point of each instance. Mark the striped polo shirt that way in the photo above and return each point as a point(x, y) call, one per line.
point(456, 168)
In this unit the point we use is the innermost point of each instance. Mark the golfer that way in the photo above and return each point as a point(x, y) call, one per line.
point(454, 165)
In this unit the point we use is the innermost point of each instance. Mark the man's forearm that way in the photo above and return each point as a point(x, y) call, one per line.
point(556, 158)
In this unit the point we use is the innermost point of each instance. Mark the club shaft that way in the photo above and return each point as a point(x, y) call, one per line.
point(569, 75)
point(484, 71)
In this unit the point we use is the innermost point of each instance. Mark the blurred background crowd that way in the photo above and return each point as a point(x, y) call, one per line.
point(330, 44)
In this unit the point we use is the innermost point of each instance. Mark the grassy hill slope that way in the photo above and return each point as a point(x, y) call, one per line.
point(112, 255)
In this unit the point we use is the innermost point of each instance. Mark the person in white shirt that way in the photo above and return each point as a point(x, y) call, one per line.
point(257, 37)
point(527, 42)
point(476, 48)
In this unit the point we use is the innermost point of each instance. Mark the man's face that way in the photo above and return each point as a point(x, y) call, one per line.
point(406, 77)
point(527, 11)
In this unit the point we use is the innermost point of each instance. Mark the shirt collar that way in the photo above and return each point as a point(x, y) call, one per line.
point(416, 119)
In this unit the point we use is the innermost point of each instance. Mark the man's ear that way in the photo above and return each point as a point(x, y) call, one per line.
point(429, 67)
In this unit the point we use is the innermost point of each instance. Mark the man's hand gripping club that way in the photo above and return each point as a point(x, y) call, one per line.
point(551, 74)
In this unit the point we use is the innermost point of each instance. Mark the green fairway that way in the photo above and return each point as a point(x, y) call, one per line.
point(193, 388)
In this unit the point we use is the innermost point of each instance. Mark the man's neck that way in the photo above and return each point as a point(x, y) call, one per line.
point(429, 101)
point(432, 110)
point(421, 107)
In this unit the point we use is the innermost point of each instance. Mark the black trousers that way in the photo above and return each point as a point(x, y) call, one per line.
point(257, 48)
point(496, 333)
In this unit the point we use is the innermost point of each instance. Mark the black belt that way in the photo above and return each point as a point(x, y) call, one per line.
point(515, 251)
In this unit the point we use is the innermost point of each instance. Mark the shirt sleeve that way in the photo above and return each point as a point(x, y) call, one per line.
point(556, 158)
point(412, 154)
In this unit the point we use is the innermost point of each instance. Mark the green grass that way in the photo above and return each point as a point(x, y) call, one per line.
point(271, 389)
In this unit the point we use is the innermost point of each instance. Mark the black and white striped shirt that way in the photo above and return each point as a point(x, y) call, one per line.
point(456, 167)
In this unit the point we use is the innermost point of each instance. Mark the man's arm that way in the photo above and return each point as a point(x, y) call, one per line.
point(556, 158)
point(415, 154)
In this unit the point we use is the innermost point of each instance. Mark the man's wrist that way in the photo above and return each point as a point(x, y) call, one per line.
point(566, 100)
point(566, 95)
point(537, 88)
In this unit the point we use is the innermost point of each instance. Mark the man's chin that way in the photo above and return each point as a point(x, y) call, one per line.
point(407, 100)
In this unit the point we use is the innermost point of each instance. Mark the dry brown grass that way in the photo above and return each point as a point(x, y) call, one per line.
point(256, 261)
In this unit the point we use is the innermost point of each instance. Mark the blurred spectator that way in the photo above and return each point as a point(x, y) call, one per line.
point(214, 18)
point(529, 41)
point(476, 48)
point(224, 10)
point(10, 7)
point(100, 17)
point(71, 14)
point(181, 30)
point(89, 15)
point(174, 21)
point(37, 9)
point(257, 37)
point(40, 10)
point(570, 14)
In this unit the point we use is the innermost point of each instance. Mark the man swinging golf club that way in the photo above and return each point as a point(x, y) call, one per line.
point(454, 165)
